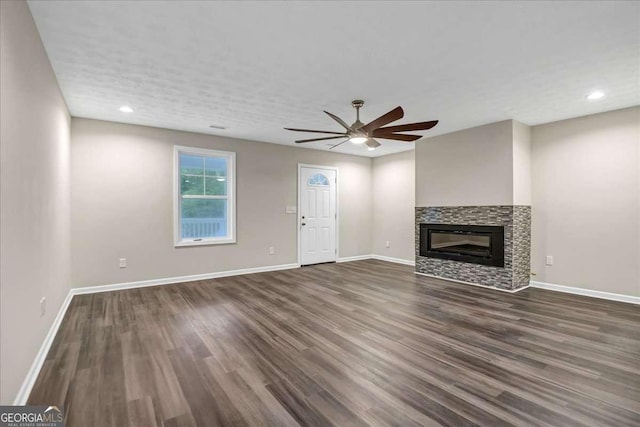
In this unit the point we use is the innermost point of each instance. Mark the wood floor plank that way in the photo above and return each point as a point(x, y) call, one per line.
point(142, 412)
point(359, 343)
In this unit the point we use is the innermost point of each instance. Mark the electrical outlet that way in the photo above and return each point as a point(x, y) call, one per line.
point(43, 306)
point(123, 263)
point(388, 244)
point(272, 250)
point(549, 260)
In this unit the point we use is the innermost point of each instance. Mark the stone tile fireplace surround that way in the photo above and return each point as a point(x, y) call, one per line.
point(516, 221)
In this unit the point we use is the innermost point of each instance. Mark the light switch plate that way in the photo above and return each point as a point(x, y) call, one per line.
point(291, 209)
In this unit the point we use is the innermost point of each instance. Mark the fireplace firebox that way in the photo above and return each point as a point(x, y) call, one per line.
point(478, 244)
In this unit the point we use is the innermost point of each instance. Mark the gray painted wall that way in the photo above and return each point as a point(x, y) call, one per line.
point(471, 167)
point(393, 205)
point(34, 196)
point(122, 204)
point(483, 166)
point(586, 197)
point(521, 164)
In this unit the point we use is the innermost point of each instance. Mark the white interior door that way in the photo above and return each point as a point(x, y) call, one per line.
point(317, 215)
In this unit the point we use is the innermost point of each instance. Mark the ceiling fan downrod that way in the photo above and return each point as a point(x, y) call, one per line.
point(357, 104)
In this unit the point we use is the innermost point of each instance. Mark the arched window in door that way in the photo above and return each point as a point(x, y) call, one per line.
point(318, 180)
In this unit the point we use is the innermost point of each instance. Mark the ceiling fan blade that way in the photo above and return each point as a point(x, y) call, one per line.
point(338, 144)
point(339, 120)
point(393, 115)
point(316, 131)
point(318, 139)
point(408, 127)
point(372, 143)
point(397, 136)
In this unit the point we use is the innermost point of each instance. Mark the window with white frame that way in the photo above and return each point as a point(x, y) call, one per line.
point(204, 201)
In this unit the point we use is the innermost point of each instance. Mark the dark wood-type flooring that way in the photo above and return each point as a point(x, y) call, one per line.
point(359, 343)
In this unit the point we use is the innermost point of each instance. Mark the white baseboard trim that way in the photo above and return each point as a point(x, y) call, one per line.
point(180, 279)
point(586, 292)
point(36, 366)
point(353, 258)
point(396, 260)
point(511, 291)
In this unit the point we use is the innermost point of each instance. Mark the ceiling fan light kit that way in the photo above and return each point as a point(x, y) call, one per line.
point(359, 133)
point(358, 139)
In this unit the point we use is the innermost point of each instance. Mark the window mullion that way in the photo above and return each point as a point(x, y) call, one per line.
point(204, 176)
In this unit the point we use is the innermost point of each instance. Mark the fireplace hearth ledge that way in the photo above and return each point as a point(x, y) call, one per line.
point(493, 288)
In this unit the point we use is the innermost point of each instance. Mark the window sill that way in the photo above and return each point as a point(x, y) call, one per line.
point(204, 242)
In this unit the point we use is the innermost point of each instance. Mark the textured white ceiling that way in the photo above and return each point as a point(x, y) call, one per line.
point(256, 67)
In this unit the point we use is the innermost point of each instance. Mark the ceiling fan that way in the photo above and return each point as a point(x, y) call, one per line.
point(359, 133)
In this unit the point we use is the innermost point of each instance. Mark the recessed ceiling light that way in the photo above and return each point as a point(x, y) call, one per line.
point(126, 109)
point(595, 95)
point(217, 127)
point(371, 148)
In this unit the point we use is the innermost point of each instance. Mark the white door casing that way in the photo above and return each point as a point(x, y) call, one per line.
point(317, 214)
